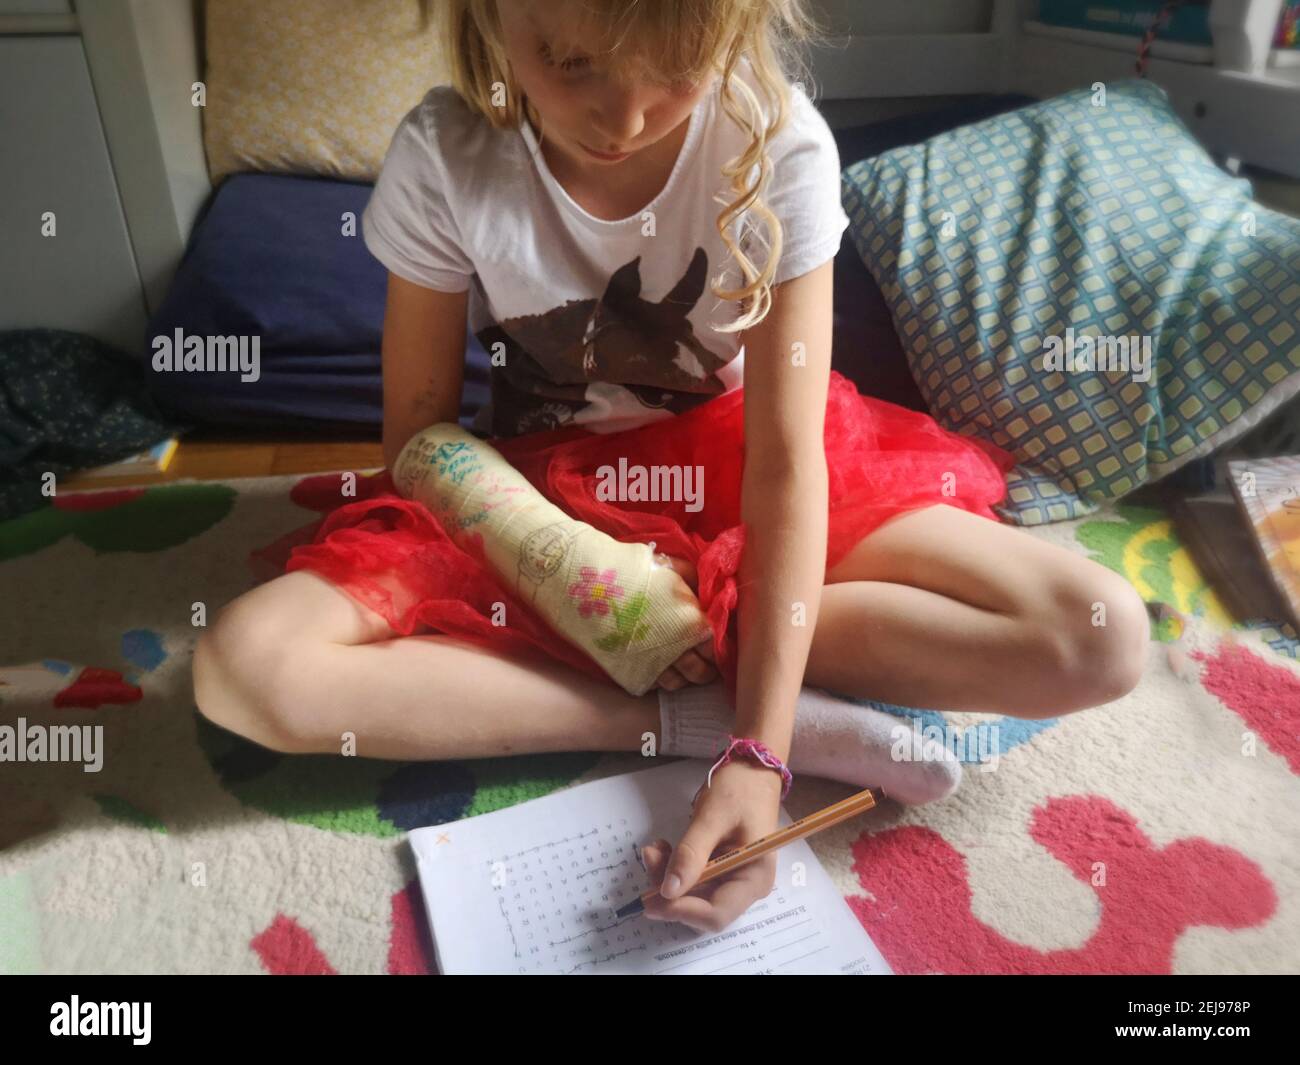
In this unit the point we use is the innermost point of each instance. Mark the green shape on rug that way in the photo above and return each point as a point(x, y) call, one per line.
point(328, 792)
point(162, 517)
point(324, 791)
point(20, 940)
point(1108, 541)
point(338, 794)
point(1110, 544)
point(1160, 577)
point(506, 782)
point(341, 794)
point(121, 810)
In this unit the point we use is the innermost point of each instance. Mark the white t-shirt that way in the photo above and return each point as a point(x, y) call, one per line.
point(592, 322)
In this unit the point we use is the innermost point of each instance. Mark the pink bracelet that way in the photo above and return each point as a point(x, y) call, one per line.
point(739, 746)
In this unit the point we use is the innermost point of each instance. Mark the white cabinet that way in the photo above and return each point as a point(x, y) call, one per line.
point(54, 162)
point(35, 7)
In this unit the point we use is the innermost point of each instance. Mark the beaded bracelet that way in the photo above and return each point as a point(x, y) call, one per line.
point(739, 746)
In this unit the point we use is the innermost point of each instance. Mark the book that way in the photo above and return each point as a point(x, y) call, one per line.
point(150, 461)
point(1268, 490)
point(1188, 24)
point(532, 889)
point(1217, 534)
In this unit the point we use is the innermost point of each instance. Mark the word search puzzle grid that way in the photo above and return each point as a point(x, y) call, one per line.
point(533, 889)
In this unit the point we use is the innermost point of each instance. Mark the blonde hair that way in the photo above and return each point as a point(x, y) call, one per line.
point(674, 40)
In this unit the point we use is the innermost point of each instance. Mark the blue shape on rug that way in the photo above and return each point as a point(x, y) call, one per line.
point(1011, 731)
point(426, 793)
point(143, 648)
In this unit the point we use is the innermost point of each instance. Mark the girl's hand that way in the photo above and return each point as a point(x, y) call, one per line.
point(697, 665)
point(740, 807)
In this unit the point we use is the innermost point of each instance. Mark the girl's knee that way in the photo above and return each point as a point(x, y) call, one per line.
point(1102, 634)
point(237, 667)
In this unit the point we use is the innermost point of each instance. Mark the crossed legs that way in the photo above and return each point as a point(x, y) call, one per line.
point(937, 608)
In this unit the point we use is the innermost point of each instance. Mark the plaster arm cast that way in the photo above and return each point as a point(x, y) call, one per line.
point(611, 600)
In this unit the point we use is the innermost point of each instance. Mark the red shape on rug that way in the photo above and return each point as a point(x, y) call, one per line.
point(410, 943)
point(94, 687)
point(321, 492)
point(920, 914)
point(1265, 696)
point(85, 502)
point(288, 949)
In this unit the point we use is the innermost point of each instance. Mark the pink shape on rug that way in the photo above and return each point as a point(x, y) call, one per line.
point(921, 919)
point(323, 493)
point(94, 687)
point(410, 944)
point(88, 502)
point(1266, 696)
point(288, 949)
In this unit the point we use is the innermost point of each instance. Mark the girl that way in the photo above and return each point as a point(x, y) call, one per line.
point(639, 212)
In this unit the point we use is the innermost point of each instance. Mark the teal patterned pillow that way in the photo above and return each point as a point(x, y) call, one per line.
point(1080, 283)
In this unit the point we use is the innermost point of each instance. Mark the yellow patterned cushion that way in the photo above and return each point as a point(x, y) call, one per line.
point(315, 88)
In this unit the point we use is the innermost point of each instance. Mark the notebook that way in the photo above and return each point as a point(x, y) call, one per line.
point(1219, 536)
point(150, 461)
point(533, 888)
point(1269, 492)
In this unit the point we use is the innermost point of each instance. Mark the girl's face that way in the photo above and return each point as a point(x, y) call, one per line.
point(594, 118)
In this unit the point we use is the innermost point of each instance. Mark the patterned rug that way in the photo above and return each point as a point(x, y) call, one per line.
point(1159, 833)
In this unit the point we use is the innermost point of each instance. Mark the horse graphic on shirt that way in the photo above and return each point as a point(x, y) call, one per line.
point(557, 362)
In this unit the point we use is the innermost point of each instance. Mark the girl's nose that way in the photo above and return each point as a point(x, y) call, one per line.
point(618, 116)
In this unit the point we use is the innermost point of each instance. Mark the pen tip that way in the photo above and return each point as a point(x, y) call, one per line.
point(634, 907)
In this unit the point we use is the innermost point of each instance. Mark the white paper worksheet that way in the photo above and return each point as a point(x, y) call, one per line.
point(533, 889)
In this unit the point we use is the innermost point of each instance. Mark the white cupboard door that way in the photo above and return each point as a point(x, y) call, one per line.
point(56, 177)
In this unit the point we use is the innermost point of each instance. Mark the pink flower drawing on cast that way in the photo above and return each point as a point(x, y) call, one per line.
point(595, 590)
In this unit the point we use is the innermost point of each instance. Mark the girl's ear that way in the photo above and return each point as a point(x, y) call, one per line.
point(625, 281)
point(686, 292)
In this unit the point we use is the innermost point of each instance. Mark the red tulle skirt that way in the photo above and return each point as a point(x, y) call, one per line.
point(391, 554)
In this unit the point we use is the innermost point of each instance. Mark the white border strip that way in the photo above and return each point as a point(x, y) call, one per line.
point(935, 64)
point(21, 25)
point(1254, 118)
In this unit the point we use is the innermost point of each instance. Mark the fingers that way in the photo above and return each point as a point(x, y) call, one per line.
point(695, 668)
point(684, 568)
point(671, 679)
point(690, 856)
point(733, 895)
point(698, 665)
point(689, 669)
point(714, 905)
point(655, 857)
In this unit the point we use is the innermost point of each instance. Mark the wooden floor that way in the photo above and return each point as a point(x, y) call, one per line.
point(213, 455)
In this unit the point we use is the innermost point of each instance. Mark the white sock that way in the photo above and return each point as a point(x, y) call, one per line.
point(833, 738)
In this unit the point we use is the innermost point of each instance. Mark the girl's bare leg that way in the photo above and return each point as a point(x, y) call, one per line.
point(937, 608)
point(296, 664)
point(942, 609)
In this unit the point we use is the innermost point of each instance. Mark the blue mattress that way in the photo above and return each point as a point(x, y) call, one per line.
point(270, 258)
